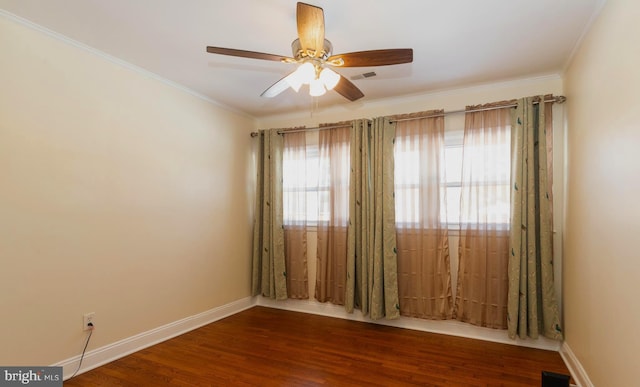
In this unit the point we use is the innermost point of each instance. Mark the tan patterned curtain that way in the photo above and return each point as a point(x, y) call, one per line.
point(424, 274)
point(372, 283)
point(268, 269)
point(533, 308)
point(333, 212)
point(481, 296)
point(295, 213)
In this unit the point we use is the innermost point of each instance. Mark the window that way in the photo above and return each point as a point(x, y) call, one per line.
point(452, 184)
point(306, 182)
point(487, 167)
point(407, 182)
point(494, 181)
point(300, 189)
point(420, 173)
point(486, 170)
point(308, 175)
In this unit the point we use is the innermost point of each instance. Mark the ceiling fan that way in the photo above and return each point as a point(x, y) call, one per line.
point(313, 53)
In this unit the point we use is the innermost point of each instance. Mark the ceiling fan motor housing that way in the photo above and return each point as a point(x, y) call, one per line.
point(300, 53)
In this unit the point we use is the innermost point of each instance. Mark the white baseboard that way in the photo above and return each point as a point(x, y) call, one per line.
point(114, 351)
point(573, 364)
point(448, 327)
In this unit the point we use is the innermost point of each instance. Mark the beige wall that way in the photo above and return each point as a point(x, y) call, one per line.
point(602, 263)
point(119, 195)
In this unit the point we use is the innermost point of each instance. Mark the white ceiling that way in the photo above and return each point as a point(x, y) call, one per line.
point(456, 42)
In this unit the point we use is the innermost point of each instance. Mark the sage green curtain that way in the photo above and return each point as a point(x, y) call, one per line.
point(372, 278)
point(532, 306)
point(269, 270)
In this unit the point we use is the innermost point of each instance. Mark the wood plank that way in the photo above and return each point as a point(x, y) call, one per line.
point(271, 347)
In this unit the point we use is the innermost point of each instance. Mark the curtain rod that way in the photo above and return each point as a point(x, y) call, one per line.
point(309, 129)
point(556, 99)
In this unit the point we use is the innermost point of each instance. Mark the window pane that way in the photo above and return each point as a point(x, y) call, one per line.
point(453, 206)
point(496, 155)
point(299, 180)
point(453, 163)
point(407, 180)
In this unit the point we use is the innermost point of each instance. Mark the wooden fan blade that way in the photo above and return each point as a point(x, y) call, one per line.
point(277, 87)
point(374, 57)
point(348, 90)
point(310, 27)
point(247, 54)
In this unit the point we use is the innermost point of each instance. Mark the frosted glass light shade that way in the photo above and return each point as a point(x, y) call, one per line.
point(303, 75)
point(329, 78)
point(316, 88)
point(306, 72)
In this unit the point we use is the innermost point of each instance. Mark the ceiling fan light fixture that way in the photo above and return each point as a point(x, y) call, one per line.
point(329, 78)
point(306, 72)
point(316, 88)
point(303, 75)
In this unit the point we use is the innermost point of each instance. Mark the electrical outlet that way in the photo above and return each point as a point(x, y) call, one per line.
point(86, 319)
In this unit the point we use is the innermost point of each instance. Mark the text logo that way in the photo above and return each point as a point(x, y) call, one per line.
point(31, 376)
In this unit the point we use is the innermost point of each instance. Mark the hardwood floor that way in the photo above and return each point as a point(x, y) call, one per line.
point(271, 347)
